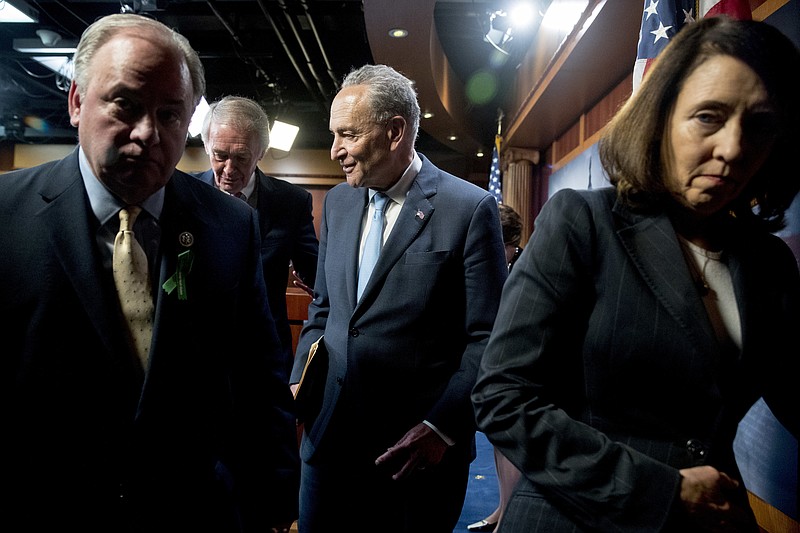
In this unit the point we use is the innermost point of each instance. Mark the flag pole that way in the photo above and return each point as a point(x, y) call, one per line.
point(500, 116)
point(495, 179)
point(498, 138)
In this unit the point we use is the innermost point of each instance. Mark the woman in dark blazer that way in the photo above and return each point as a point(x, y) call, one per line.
point(643, 320)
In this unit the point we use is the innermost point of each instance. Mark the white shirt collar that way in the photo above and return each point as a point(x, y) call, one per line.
point(399, 190)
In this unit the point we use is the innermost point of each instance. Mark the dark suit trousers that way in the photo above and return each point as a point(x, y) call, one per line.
point(348, 491)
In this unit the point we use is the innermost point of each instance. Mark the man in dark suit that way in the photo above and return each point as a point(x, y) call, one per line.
point(97, 437)
point(236, 137)
point(388, 448)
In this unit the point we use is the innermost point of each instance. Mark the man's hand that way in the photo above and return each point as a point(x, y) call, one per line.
point(282, 528)
point(420, 448)
point(298, 282)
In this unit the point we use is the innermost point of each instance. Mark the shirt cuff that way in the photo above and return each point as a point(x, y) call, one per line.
point(444, 437)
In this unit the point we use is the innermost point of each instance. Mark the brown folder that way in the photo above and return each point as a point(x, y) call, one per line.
point(311, 387)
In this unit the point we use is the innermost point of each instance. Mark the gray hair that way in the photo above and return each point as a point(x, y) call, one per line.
point(103, 29)
point(244, 114)
point(389, 94)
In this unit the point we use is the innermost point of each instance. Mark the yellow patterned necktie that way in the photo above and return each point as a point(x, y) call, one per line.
point(133, 285)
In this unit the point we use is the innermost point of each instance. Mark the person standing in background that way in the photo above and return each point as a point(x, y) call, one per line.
point(644, 319)
point(103, 436)
point(388, 448)
point(507, 474)
point(511, 223)
point(235, 135)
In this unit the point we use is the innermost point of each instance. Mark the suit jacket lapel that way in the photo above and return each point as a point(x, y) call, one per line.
point(413, 217)
point(351, 235)
point(653, 247)
point(264, 188)
point(67, 215)
point(177, 222)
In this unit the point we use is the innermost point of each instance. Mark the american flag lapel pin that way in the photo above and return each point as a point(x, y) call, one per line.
point(420, 214)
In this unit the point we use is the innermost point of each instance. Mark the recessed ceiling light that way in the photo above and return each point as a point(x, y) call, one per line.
point(398, 33)
point(18, 12)
point(453, 138)
point(427, 114)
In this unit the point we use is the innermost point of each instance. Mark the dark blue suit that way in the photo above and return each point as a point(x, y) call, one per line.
point(604, 376)
point(286, 223)
point(90, 447)
point(408, 351)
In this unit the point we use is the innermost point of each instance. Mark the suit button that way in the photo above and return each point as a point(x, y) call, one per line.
point(354, 332)
point(696, 448)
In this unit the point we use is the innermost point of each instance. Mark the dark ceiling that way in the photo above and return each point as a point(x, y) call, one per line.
point(290, 55)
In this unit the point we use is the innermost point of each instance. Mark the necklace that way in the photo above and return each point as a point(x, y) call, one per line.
point(698, 258)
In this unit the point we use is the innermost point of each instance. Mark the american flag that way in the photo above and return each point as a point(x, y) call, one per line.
point(495, 182)
point(738, 9)
point(661, 20)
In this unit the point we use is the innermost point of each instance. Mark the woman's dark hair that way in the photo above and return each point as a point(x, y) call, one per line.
point(511, 223)
point(631, 147)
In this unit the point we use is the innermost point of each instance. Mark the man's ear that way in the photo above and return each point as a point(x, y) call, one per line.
point(74, 101)
point(396, 130)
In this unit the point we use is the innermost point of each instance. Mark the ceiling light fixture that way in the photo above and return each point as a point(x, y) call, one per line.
point(17, 11)
point(502, 25)
point(62, 66)
point(282, 135)
point(498, 37)
point(562, 16)
point(57, 64)
point(38, 46)
point(49, 37)
point(200, 112)
point(398, 33)
point(427, 114)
